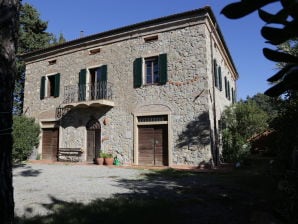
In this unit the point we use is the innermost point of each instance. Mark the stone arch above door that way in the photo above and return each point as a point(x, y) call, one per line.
point(93, 128)
point(153, 109)
point(93, 124)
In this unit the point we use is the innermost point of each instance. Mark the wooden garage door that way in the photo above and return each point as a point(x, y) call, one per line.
point(153, 145)
point(50, 144)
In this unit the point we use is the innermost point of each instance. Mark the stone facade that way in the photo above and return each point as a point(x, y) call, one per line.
point(189, 99)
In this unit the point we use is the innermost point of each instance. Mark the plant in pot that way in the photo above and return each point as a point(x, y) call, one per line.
point(100, 158)
point(109, 160)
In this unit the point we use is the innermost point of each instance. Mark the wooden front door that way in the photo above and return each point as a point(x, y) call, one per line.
point(93, 139)
point(50, 144)
point(153, 145)
point(93, 144)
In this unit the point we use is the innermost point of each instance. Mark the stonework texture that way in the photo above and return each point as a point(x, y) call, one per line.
point(193, 103)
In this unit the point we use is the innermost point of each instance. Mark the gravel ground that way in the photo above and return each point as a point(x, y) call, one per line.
point(35, 185)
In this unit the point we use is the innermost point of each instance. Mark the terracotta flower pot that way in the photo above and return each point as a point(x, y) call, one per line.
point(99, 161)
point(109, 161)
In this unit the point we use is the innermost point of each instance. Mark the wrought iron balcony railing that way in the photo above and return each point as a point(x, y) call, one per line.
point(89, 92)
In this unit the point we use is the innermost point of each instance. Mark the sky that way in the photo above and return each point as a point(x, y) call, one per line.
point(242, 36)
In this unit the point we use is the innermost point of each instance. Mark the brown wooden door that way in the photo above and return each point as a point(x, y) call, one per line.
point(50, 144)
point(153, 147)
point(93, 144)
point(90, 145)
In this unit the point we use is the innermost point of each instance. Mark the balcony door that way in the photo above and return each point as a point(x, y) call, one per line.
point(98, 83)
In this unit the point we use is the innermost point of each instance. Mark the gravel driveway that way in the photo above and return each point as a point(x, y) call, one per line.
point(35, 185)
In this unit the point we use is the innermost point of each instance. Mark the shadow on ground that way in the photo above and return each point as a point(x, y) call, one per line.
point(27, 171)
point(171, 196)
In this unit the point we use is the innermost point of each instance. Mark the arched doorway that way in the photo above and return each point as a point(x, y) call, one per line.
point(93, 139)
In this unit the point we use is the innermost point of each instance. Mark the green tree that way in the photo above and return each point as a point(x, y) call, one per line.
point(26, 136)
point(241, 121)
point(268, 104)
point(33, 36)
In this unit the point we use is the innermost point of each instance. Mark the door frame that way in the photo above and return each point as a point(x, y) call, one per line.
point(54, 152)
point(93, 125)
point(136, 133)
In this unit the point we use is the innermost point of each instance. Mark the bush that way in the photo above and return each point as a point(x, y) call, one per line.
point(240, 122)
point(26, 137)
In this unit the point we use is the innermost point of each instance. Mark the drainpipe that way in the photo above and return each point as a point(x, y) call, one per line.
point(215, 150)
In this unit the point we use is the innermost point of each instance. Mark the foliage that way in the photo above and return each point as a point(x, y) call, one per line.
point(268, 104)
point(287, 22)
point(32, 36)
point(105, 155)
point(26, 137)
point(240, 122)
point(286, 125)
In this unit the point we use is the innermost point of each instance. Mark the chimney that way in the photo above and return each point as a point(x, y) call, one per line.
point(81, 33)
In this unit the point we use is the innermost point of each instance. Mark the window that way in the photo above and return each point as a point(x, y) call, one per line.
point(217, 75)
point(226, 87)
point(96, 88)
point(219, 79)
point(151, 38)
point(229, 91)
point(94, 51)
point(233, 95)
point(149, 71)
point(52, 62)
point(50, 86)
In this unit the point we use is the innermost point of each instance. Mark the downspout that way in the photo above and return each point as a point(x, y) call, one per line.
point(215, 150)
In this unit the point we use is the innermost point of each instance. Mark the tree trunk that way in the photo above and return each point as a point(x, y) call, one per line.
point(9, 13)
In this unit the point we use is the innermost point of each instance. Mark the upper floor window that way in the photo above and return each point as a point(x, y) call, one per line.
point(50, 86)
point(217, 75)
point(93, 83)
point(151, 70)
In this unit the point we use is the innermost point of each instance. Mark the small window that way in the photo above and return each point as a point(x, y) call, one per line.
point(157, 118)
point(151, 39)
point(151, 70)
point(94, 51)
point(52, 62)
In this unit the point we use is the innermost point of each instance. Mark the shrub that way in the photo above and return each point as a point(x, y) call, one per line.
point(26, 137)
point(241, 121)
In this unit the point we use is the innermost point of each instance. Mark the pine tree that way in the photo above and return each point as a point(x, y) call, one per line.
point(32, 36)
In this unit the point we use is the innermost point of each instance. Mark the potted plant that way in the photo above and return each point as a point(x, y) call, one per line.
point(100, 158)
point(109, 160)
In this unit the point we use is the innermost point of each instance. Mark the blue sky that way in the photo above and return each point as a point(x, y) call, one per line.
point(93, 16)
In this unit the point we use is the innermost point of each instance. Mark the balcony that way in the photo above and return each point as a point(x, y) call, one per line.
point(95, 95)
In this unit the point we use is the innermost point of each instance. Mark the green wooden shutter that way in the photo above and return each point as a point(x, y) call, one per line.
point(229, 91)
point(57, 85)
point(163, 68)
point(137, 73)
point(226, 87)
point(82, 85)
point(215, 73)
point(219, 78)
point(42, 87)
point(104, 70)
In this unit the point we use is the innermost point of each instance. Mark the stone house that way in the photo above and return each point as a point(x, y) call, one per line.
point(150, 93)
